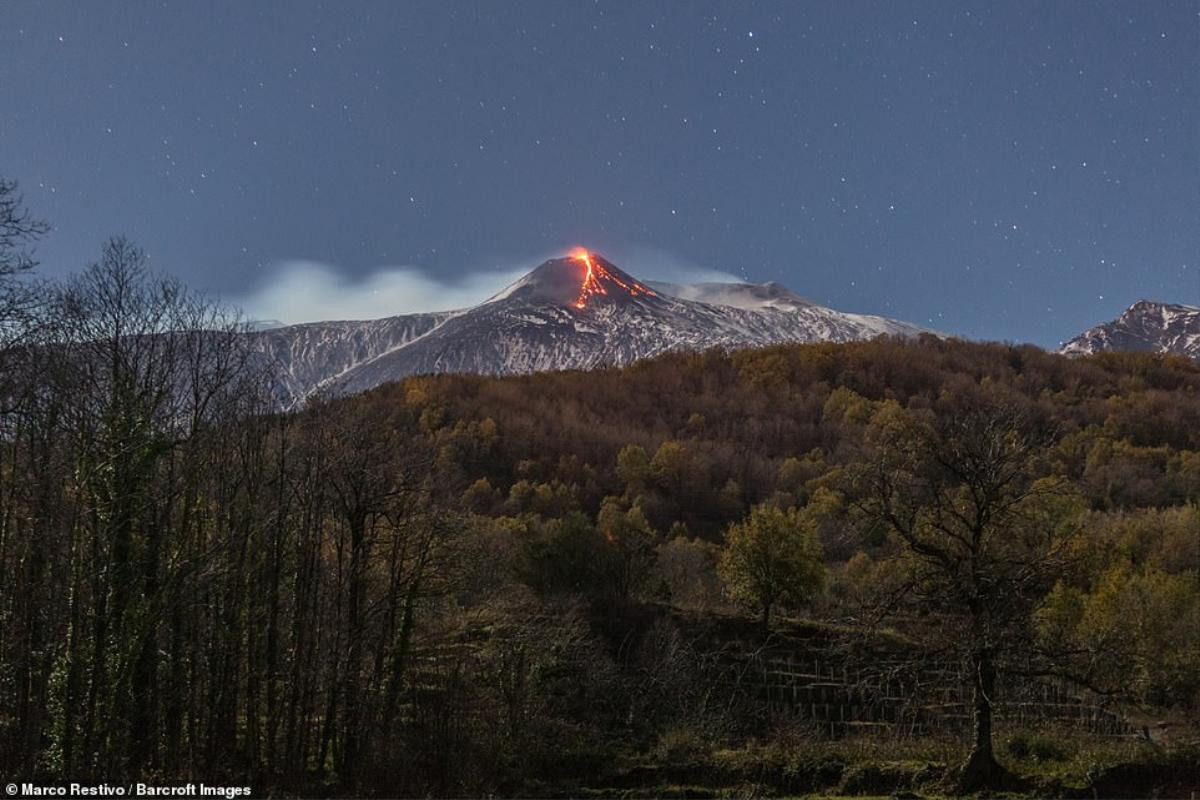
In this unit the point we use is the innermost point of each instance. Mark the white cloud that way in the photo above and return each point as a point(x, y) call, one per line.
point(652, 264)
point(307, 291)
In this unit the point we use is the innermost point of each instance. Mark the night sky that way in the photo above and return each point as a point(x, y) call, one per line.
point(1014, 170)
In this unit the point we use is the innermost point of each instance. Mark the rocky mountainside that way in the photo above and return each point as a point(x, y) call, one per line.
point(577, 312)
point(1146, 326)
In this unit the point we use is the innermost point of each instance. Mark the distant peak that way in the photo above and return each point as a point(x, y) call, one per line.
point(1156, 305)
point(1146, 326)
point(1144, 303)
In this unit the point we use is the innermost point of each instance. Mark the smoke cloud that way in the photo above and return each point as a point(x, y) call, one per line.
point(652, 264)
point(309, 291)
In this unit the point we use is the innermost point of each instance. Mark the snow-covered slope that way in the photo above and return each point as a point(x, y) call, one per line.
point(1145, 326)
point(569, 313)
point(314, 356)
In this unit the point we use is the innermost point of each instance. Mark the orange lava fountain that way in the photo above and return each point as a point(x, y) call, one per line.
point(592, 284)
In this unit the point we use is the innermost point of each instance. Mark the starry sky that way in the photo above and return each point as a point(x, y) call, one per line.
point(1015, 171)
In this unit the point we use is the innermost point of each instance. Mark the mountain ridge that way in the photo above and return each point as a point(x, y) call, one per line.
point(1146, 326)
point(576, 312)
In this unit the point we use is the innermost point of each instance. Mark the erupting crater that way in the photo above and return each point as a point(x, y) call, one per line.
point(597, 279)
point(580, 281)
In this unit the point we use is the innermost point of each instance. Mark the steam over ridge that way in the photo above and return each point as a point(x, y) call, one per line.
point(309, 291)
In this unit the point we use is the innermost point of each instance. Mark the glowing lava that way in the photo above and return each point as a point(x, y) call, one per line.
point(593, 280)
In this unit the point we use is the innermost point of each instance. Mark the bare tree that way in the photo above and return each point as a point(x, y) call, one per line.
point(26, 426)
point(978, 537)
point(146, 367)
point(19, 231)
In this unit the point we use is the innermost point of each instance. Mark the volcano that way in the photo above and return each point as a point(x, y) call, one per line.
point(576, 312)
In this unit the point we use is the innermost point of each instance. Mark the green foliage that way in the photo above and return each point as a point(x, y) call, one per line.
point(772, 557)
point(633, 468)
point(551, 499)
point(846, 406)
point(629, 553)
point(677, 471)
point(887, 777)
point(1138, 629)
point(683, 744)
point(481, 497)
point(1039, 747)
point(568, 555)
point(614, 557)
point(302, 597)
point(688, 568)
point(795, 475)
point(862, 583)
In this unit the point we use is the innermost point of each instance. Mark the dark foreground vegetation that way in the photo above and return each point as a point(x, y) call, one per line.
point(929, 566)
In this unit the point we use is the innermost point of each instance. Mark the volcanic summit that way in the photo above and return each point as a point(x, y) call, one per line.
point(578, 280)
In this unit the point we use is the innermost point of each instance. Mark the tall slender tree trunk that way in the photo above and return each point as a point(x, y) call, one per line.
point(273, 698)
point(143, 724)
point(30, 697)
point(351, 733)
point(98, 670)
point(399, 657)
point(981, 769)
point(74, 659)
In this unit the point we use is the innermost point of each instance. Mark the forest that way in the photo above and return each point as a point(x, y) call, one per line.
point(929, 566)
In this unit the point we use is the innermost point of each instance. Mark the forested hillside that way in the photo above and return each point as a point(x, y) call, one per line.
point(869, 566)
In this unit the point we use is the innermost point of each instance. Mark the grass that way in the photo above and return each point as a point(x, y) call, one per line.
point(1045, 763)
point(1065, 763)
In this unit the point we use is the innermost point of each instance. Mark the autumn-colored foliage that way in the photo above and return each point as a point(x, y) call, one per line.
point(459, 585)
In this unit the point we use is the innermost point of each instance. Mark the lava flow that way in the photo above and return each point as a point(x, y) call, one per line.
point(593, 280)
